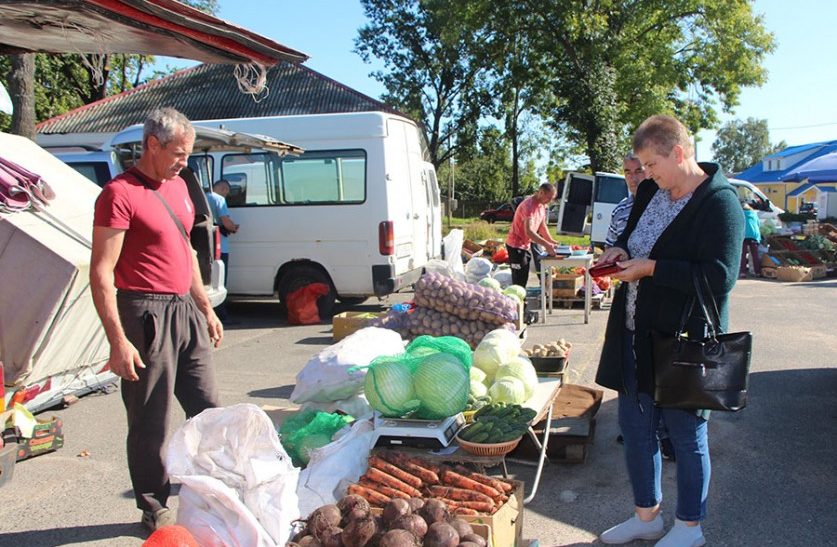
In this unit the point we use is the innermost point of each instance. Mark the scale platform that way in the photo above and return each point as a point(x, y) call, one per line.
point(431, 434)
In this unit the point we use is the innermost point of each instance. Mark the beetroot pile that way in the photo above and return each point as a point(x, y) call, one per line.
point(412, 522)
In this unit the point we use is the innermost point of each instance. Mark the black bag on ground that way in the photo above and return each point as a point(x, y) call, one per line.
point(701, 374)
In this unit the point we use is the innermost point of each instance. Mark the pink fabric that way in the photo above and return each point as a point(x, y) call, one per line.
point(155, 258)
point(529, 208)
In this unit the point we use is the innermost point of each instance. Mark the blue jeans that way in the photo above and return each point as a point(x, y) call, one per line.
point(638, 420)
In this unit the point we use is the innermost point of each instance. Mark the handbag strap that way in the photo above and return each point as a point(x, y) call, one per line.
point(165, 204)
point(713, 322)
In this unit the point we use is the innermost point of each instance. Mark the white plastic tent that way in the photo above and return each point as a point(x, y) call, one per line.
point(51, 340)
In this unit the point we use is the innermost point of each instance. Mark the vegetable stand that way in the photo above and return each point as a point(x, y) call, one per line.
point(542, 402)
point(585, 261)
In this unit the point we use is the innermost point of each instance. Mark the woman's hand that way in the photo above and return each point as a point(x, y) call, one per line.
point(613, 254)
point(635, 268)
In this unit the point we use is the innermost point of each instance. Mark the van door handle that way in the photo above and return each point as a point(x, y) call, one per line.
point(415, 216)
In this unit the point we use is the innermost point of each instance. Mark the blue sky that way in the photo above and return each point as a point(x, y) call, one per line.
point(799, 99)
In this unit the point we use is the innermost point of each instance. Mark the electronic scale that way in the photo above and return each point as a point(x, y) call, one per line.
point(432, 434)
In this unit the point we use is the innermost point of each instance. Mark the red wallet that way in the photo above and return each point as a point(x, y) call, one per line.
point(609, 268)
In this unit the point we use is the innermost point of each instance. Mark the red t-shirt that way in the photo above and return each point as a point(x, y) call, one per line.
point(155, 257)
point(529, 208)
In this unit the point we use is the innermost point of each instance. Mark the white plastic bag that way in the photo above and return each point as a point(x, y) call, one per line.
point(453, 252)
point(237, 446)
point(503, 276)
point(328, 376)
point(477, 269)
point(216, 517)
point(320, 483)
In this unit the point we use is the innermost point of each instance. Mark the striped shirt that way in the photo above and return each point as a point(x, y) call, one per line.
point(618, 220)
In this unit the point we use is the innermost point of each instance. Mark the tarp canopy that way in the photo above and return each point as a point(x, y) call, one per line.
point(49, 329)
point(821, 169)
point(151, 27)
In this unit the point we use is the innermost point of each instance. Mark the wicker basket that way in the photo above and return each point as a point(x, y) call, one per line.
point(485, 449)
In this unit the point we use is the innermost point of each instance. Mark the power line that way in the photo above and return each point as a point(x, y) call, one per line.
point(802, 126)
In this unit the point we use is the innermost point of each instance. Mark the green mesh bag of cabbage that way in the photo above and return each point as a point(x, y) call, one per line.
point(308, 430)
point(430, 380)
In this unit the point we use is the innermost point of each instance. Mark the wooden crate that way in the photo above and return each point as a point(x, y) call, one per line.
point(566, 287)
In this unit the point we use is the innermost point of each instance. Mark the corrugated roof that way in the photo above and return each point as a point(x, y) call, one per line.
point(208, 92)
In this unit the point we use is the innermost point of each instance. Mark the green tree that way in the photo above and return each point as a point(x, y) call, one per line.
point(742, 143)
point(483, 175)
point(432, 72)
point(609, 65)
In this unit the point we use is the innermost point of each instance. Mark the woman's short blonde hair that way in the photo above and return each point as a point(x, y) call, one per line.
point(662, 133)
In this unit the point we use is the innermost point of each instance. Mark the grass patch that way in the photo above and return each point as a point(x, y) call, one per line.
point(480, 230)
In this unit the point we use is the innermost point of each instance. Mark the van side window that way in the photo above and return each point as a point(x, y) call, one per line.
point(317, 177)
point(324, 177)
point(253, 178)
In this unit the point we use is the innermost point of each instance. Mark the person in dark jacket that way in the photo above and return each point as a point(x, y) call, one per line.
point(685, 217)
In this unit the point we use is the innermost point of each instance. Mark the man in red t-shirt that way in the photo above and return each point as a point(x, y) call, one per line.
point(150, 297)
point(528, 226)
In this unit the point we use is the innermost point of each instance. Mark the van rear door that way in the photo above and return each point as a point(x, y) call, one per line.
point(576, 198)
point(608, 190)
point(404, 165)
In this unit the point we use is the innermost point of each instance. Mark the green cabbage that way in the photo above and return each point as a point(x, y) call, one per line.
point(516, 291)
point(477, 375)
point(491, 283)
point(521, 369)
point(496, 348)
point(442, 384)
point(478, 389)
point(389, 388)
point(507, 390)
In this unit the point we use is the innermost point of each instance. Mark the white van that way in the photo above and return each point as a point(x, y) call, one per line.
point(755, 198)
point(359, 210)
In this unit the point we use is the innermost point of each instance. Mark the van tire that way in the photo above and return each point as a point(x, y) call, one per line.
point(303, 275)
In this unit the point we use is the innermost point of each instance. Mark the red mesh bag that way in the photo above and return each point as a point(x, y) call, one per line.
point(302, 304)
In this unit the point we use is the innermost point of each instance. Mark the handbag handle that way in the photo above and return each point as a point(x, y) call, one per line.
point(713, 323)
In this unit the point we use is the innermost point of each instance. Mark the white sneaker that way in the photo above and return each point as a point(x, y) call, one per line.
point(682, 536)
point(632, 529)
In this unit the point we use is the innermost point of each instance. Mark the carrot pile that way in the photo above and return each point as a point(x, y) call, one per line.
point(397, 475)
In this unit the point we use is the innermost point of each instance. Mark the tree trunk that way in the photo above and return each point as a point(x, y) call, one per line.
point(22, 91)
point(514, 134)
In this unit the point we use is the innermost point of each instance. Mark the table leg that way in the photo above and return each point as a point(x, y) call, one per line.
point(588, 286)
point(542, 456)
point(543, 293)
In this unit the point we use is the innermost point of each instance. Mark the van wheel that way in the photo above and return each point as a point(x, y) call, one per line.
point(305, 275)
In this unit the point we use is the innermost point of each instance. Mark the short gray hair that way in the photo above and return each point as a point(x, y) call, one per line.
point(547, 187)
point(165, 124)
point(630, 156)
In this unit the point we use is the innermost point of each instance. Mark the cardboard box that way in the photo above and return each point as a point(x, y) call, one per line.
point(507, 522)
point(566, 287)
point(47, 436)
point(347, 322)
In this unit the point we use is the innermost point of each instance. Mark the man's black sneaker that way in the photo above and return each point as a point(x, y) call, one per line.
point(157, 519)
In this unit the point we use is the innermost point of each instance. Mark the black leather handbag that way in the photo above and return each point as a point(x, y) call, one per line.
point(701, 374)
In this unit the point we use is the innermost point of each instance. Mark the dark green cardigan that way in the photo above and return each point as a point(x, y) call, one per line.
point(709, 233)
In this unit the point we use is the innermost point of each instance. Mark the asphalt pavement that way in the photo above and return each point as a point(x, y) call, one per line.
point(774, 479)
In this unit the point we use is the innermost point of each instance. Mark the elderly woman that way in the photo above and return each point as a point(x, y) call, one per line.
point(686, 216)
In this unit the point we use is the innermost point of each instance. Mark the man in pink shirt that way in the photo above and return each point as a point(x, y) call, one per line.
point(150, 297)
point(528, 226)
